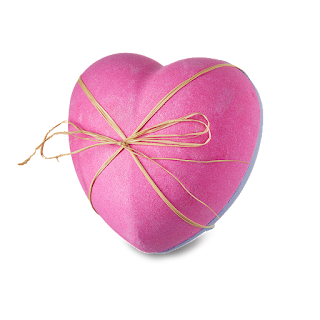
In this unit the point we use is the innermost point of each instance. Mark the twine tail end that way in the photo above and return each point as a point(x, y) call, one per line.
point(24, 162)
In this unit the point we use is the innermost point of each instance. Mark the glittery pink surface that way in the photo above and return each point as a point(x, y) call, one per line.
point(128, 86)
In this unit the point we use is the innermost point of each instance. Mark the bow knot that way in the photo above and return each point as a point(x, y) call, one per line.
point(123, 143)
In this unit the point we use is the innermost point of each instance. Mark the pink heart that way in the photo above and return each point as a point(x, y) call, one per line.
point(128, 86)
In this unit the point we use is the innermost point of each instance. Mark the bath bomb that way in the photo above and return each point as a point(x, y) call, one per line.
point(128, 86)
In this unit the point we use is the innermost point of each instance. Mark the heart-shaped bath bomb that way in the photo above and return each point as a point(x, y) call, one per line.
point(128, 86)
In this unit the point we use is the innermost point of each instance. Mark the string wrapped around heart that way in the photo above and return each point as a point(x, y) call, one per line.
point(143, 137)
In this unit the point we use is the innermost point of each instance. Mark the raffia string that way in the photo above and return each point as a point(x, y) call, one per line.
point(144, 137)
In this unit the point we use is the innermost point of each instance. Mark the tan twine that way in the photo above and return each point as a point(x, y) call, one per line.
point(143, 137)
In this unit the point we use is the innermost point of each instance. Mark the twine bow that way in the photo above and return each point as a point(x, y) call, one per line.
point(143, 137)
